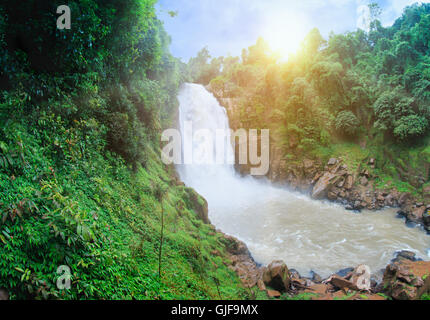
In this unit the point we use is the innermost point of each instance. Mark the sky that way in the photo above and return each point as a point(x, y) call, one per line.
point(228, 26)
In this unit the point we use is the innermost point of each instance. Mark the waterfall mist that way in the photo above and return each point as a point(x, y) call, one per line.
point(279, 224)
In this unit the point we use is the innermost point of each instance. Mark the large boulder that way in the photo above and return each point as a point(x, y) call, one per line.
point(277, 276)
point(406, 279)
point(342, 283)
point(321, 188)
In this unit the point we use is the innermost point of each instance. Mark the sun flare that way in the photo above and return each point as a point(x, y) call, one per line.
point(285, 33)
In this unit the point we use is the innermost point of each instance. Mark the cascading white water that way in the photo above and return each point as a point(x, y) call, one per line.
point(278, 224)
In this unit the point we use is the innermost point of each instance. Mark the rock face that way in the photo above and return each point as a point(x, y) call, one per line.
point(406, 279)
point(277, 276)
point(242, 262)
point(199, 204)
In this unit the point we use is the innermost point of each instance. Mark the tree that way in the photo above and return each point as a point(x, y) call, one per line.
point(347, 123)
point(410, 127)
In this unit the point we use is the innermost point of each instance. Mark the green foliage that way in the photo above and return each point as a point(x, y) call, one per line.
point(347, 123)
point(78, 109)
point(202, 68)
point(333, 98)
point(410, 127)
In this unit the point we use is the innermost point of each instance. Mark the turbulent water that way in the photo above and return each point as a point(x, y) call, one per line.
point(279, 224)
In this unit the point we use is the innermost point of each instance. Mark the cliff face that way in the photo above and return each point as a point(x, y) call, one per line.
point(354, 187)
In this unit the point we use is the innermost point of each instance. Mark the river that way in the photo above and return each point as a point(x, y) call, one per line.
point(276, 223)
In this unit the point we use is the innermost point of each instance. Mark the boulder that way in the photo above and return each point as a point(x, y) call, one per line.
point(417, 214)
point(406, 279)
point(342, 283)
point(344, 272)
point(404, 198)
point(277, 276)
point(349, 182)
point(316, 277)
point(320, 189)
point(404, 254)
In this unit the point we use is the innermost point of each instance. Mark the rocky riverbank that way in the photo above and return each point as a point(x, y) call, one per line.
point(405, 278)
point(355, 188)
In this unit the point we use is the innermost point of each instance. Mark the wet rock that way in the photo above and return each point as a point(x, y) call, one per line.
point(404, 254)
point(332, 195)
point(344, 272)
point(277, 276)
point(316, 277)
point(416, 214)
point(294, 274)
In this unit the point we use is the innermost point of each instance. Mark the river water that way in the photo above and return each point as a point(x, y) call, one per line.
point(276, 223)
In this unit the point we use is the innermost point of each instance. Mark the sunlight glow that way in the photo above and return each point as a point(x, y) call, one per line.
point(285, 32)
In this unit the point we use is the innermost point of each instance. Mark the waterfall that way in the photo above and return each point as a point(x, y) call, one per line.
point(274, 222)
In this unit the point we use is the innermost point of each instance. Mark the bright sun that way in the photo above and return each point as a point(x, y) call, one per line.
point(284, 34)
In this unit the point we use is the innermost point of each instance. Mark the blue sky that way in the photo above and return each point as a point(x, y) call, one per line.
point(227, 26)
